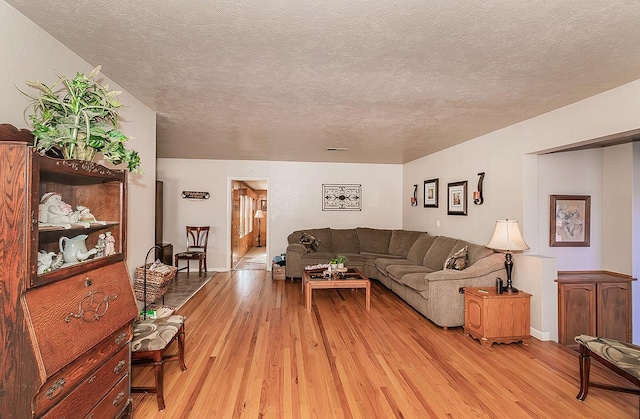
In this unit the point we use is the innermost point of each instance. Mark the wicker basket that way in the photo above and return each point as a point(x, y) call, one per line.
point(158, 281)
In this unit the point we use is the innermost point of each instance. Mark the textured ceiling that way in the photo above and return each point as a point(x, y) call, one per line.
point(392, 80)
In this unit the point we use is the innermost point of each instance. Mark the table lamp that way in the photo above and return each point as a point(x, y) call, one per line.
point(507, 238)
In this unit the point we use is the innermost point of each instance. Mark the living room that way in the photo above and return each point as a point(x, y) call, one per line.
point(520, 177)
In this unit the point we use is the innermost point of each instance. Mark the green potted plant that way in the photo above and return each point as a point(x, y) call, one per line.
point(75, 118)
point(339, 261)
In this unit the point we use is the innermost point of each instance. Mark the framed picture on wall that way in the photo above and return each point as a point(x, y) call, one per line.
point(431, 193)
point(457, 198)
point(341, 197)
point(263, 204)
point(569, 220)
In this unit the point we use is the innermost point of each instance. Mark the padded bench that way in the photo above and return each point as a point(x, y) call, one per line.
point(620, 357)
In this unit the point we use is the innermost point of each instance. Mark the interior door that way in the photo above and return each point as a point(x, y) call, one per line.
point(235, 228)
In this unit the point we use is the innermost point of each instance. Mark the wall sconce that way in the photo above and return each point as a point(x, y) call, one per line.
point(414, 198)
point(478, 199)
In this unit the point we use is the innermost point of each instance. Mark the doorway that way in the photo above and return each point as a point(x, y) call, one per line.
point(249, 224)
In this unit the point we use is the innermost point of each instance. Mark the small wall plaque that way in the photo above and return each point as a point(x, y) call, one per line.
point(195, 195)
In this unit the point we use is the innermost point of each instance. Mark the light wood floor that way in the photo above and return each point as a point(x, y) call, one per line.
point(252, 351)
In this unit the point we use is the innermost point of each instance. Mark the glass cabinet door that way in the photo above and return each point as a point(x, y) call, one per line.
point(79, 210)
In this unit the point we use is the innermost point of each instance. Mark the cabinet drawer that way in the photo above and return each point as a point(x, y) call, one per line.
point(64, 381)
point(113, 403)
point(68, 317)
point(93, 388)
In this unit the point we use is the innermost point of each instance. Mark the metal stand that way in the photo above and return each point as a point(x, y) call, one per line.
point(144, 276)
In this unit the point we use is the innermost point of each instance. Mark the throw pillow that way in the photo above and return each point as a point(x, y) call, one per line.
point(457, 261)
point(310, 242)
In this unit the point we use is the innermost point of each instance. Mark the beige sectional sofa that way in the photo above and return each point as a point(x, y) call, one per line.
point(410, 263)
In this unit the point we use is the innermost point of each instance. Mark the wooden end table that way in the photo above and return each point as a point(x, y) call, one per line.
point(353, 278)
point(497, 318)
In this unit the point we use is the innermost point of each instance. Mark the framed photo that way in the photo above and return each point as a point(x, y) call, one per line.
point(569, 220)
point(457, 198)
point(431, 193)
point(263, 204)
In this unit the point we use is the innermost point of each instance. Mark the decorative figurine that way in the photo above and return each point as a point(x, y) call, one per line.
point(100, 245)
point(87, 217)
point(110, 247)
point(54, 211)
point(58, 261)
point(45, 259)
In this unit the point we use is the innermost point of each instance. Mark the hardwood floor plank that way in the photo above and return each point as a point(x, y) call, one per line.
point(253, 351)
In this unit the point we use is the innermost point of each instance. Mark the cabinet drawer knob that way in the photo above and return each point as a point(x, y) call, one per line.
point(118, 398)
point(118, 369)
point(88, 282)
point(58, 385)
point(121, 338)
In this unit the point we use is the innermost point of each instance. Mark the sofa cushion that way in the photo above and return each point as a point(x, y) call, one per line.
point(316, 258)
point(438, 252)
point(373, 240)
point(415, 281)
point(457, 261)
point(477, 252)
point(419, 248)
point(401, 241)
point(345, 241)
point(383, 263)
point(309, 242)
point(322, 234)
point(374, 256)
point(353, 257)
point(396, 272)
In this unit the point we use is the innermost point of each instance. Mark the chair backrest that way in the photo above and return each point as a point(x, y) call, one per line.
point(197, 238)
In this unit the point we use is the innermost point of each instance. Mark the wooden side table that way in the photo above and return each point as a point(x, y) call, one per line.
point(496, 318)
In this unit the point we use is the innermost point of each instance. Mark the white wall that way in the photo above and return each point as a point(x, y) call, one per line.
point(516, 187)
point(618, 208)
point(572, 173)
point(294, 199)
point(29, 53)
point(635, 231)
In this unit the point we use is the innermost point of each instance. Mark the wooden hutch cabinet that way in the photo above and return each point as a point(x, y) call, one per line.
point(65, 334)
point(595, 303)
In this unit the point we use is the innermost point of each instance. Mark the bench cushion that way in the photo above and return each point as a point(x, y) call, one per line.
point(155, 334)
point(624, 356)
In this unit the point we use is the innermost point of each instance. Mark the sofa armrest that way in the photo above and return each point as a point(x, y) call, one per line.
point(297, 248)
point(484, 266)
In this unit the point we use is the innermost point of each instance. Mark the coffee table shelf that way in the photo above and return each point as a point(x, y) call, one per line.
point(353, 278)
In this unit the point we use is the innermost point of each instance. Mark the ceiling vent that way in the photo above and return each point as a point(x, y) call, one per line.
point(337, 149)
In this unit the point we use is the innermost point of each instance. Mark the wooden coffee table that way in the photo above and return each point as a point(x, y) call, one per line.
point(353, 278)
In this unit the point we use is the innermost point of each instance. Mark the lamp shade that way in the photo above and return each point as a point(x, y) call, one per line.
point(507, 236)
point(259, 214)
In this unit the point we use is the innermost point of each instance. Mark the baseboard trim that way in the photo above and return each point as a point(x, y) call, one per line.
point(545, 336)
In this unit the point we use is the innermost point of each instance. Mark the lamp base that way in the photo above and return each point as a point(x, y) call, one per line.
point(510, 290)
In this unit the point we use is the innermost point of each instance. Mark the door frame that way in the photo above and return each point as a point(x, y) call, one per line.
point(267, 241)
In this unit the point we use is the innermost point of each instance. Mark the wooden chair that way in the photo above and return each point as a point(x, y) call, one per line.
point(151, 338)
point(197, 238)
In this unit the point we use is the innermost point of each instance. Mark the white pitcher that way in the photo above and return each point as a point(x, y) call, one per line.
point(75, 250)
